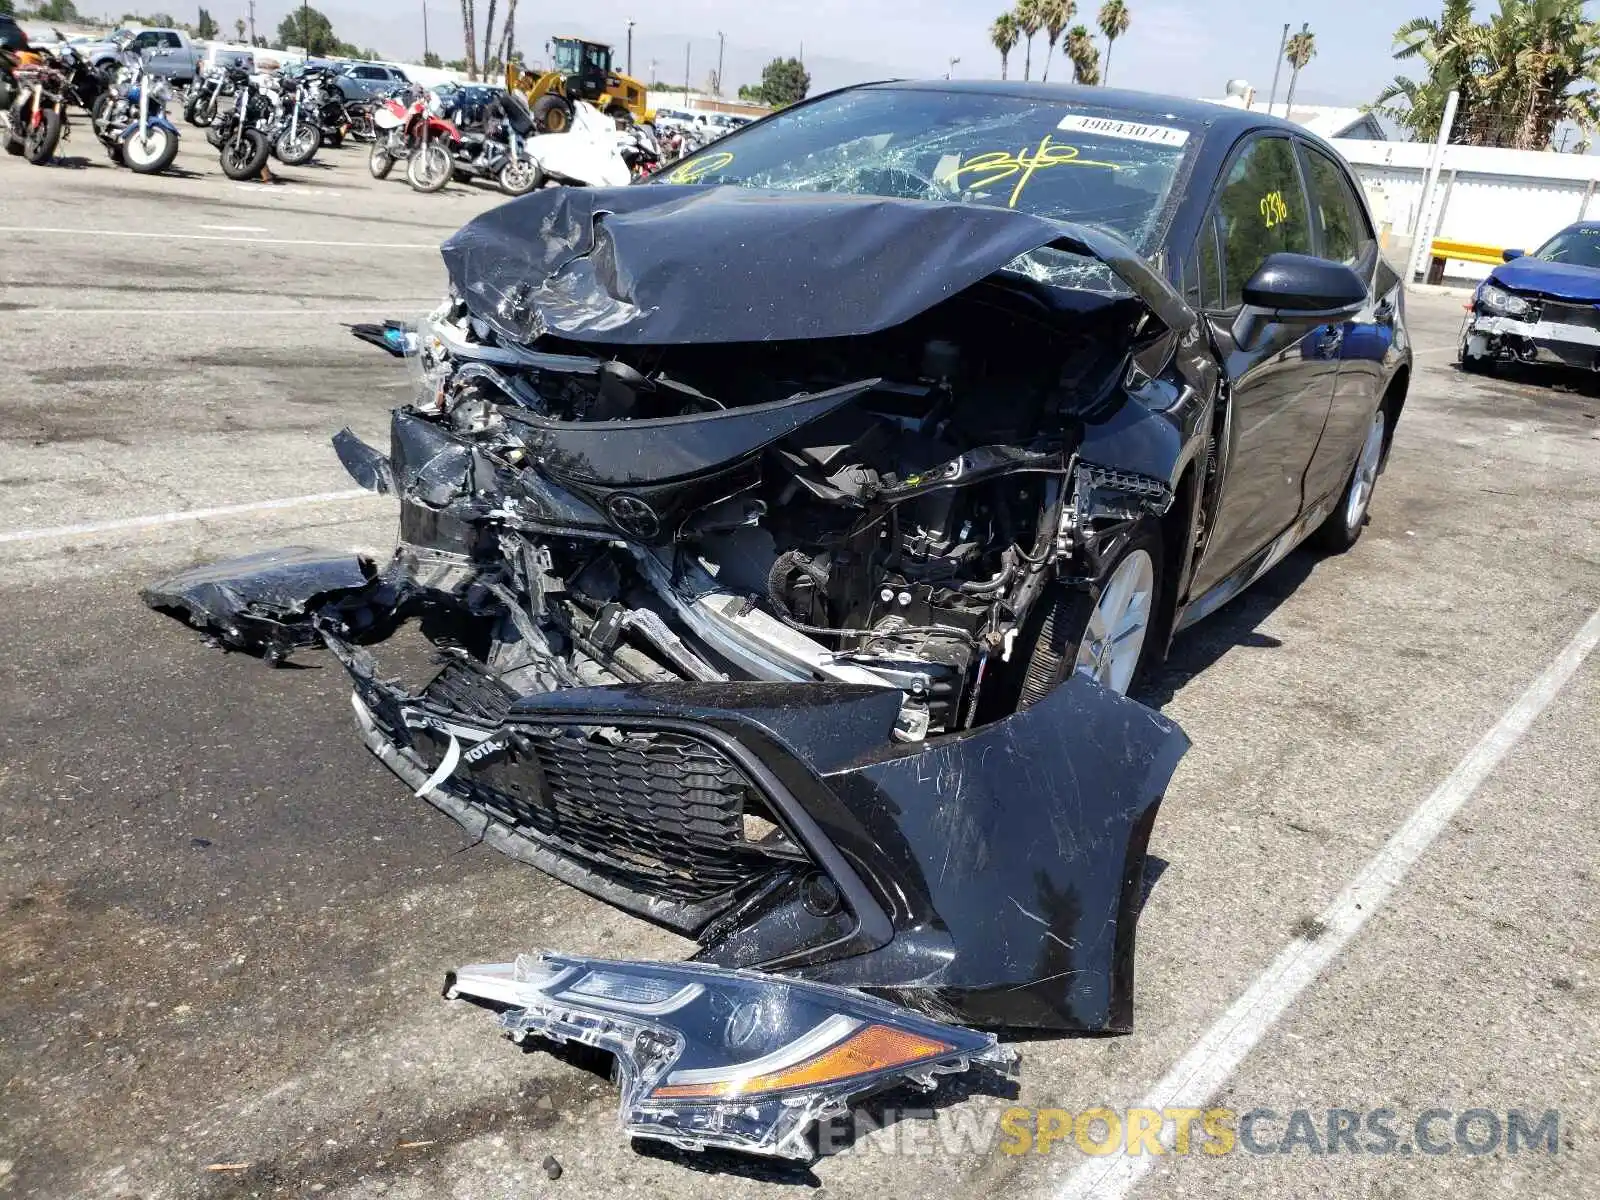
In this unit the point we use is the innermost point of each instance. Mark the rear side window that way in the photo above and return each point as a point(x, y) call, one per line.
point(172, 41)
point(1261, 210)
point(1345, 236)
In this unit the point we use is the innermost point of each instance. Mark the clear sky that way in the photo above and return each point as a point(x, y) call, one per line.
point(1183, 47)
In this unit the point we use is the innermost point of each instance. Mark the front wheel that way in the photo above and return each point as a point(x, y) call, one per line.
point(379, 162)
point(39, 143)
point(552, 114)
point(243, 155)
point(520, 177)
point(300, 147)
point(1103, 633)
point(200, 112)
point(429, 168)
point(1344, 524)
point(150, 152)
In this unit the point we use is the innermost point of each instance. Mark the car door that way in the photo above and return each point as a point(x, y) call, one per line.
point(1279, 379)
point(1345, 235)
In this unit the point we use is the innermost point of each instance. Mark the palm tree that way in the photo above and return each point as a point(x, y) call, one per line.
point(488, 41)
point(1084, 56)
point(469, 34)
point(1444, 46)
point(1299, 50)
point(508, 36)
point(1113, 23)
point(1029, 16)
point(1003, 33)
point(1057, 14)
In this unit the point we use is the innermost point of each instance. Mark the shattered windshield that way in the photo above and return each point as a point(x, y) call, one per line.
point(1579, 247)
point(1111, 171)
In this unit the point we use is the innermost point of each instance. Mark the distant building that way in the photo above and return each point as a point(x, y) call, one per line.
point(1324, 120)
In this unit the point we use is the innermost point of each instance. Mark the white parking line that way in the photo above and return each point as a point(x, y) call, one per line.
point(1203, 1070)
point(377, 306)
point(237, 228)
point(176, 518)
point(214, 237)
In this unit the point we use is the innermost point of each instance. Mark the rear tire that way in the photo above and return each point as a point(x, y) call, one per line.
point(150, 155)
point(380, 162)
point(243, 158)
point(40, 142)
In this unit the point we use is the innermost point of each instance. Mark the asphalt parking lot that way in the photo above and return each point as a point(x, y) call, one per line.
point(225, 924)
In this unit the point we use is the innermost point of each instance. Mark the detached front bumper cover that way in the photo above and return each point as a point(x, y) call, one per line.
point(711, 1057)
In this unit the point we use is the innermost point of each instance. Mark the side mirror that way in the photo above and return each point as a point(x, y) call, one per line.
point(1298, 289)
point(1508, 255)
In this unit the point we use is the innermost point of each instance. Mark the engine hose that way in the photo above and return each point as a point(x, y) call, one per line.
point(783, 567)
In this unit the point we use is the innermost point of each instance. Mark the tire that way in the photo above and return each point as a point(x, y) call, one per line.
point(1343, 527)
point(40, 142)
point(520, 178)
point(1474, 364)
point(114, 152)
point(1057, 634)
point(13, 144)
point(552, 114)
point(332, 139)
point(243, 158)
point(379, 162)
point(153, 156)
point(302, 150)
point(429, 168)
point(200, 112)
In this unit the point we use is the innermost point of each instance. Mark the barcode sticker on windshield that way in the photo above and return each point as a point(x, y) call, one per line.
point(1132, 131)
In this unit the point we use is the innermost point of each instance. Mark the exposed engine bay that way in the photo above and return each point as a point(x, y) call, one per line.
point(880, 510)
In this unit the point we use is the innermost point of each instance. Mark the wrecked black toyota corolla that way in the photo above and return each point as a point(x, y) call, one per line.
point(789, 529)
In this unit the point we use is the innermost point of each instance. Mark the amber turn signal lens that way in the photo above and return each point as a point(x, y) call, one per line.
point(875, 1048)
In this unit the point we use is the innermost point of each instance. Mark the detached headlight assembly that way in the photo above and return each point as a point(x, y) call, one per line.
point(710, 1056)
point(1497, 300)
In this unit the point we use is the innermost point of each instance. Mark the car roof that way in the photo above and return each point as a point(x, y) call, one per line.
point(1201, 113)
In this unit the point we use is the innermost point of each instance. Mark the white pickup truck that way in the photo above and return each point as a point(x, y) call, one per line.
point(171, 54)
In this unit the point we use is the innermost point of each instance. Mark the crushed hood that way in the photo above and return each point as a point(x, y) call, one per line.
point(662, 264)
point(1559, 281)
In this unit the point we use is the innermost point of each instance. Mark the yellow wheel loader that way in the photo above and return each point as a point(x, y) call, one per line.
point(579, 70)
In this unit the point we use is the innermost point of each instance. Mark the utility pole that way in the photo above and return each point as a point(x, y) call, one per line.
point(686, 47)
point(950, 70)
point(252, 22)
point(630, 46)
point(722, 39)
point(1283, 43)
point(654, 81)
point(305, 26)
point(424, 32)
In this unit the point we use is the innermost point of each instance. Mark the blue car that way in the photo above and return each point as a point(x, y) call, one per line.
point(1542, 307)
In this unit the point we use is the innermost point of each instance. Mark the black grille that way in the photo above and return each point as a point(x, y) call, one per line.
point(661, 812)
point(1585, 315)
point(468, 691)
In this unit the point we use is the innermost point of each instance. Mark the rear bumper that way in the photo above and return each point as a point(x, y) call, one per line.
point(994, 877)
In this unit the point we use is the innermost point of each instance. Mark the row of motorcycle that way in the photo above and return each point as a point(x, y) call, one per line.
point(126, 106)
point(489, 134)
point(289, 116)
point(440, 135)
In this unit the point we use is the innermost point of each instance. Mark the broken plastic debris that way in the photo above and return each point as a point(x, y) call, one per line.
point(712, 1057)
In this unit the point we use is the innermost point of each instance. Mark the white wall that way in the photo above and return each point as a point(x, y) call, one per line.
point(1492, 197)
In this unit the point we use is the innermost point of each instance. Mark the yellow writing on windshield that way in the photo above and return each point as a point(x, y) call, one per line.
point(694, 172)
point(1000, 165)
